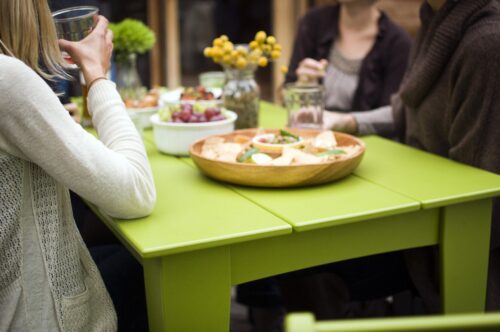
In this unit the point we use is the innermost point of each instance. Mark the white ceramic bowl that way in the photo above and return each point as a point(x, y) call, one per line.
point(144, 115)
point(176, 138)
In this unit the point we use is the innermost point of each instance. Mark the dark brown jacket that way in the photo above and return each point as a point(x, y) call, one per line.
point(382, 69)
point(449, 104)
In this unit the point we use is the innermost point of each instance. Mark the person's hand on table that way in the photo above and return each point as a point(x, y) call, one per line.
point(310, 70)
point(337, 121)
point(93, 53)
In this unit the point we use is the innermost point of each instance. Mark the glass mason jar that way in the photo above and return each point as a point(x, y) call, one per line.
point(128, 81)
point(241, 95)
point(305, 104)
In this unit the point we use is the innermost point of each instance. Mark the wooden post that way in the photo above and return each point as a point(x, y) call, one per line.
point(285, 18)
point(173, 72)
point(155, 65)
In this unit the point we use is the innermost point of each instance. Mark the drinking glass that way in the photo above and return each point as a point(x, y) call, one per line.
point(74, 24)
point(305, 105)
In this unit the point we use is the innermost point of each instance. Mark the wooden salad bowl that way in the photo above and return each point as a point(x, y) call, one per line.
point(278, 176)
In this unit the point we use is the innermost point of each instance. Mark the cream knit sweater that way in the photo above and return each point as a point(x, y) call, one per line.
point(48, 280)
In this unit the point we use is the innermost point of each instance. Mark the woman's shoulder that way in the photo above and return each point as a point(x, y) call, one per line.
point(392, 30)
point(481, 41)
point(13, 68)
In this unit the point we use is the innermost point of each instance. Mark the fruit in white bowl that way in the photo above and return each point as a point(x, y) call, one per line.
point(175, 134)
point(191, 113)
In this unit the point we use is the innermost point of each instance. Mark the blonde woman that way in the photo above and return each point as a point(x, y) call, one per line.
point(48, 281)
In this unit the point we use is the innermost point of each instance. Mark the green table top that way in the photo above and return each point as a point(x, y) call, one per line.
point(348, 200)
point(430, 179)
point(194, 212)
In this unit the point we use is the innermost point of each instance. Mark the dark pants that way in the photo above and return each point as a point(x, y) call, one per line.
point(123, 277)
point(329, 290)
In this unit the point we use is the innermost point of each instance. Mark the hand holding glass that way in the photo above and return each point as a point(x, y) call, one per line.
point(74, 24)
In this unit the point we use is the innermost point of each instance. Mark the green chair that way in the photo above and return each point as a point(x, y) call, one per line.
point(305, 322)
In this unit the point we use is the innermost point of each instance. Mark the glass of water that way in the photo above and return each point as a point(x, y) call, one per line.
point(74, 24)
point(305, 105)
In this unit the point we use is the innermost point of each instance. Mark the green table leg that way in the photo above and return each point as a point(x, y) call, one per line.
point(189, 292)
point(465, 242)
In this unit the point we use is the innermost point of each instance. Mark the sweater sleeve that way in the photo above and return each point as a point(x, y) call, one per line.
point(474, 133)
point(113, 173)
point(378, 121)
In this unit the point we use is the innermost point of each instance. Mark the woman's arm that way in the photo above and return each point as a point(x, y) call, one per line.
point(474, 134)
point(113, 173)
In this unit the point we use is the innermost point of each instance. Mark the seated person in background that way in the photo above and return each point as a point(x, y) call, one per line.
point(448, 104)
point(48, 279)
point(355, 49)
point(361, 56)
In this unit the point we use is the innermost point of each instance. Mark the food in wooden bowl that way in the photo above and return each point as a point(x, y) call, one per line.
point(314, 157)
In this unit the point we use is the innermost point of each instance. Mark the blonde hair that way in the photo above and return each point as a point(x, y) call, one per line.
point(29, 34)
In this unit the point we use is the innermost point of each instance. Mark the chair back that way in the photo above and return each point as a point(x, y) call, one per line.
point(482, 322)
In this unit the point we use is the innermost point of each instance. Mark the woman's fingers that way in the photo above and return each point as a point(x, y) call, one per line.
point(101, 25)
point(314, 64)
point(311, 70)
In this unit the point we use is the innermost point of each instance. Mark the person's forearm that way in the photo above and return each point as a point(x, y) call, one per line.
point(379, 121)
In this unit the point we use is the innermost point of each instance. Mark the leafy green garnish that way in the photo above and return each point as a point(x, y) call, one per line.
point(289, 134)
point(247, 155)
point(331, 153)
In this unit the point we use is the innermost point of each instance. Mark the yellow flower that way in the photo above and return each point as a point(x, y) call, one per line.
point(262, 61)
point(218, 42)
point(275, 54)
point(241, 63)
point(256, 52)
point(253, 44)
point(216, 52)
point(227, 59)
point(284, 69)
point(260, 36)
point(207, 51)
point(276, 47)
point(266, 48)
point(271, 40)
point(228, 47)
point(224, 38)
point(242, 50)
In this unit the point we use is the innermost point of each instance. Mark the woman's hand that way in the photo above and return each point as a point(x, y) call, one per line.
point(93, 53)
point(343, 122)
point(310, 70)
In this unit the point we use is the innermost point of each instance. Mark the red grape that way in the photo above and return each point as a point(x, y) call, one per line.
point(185, 115)
point(219, 117)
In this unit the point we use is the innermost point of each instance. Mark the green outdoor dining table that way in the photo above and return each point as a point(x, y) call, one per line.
point(204, 237)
